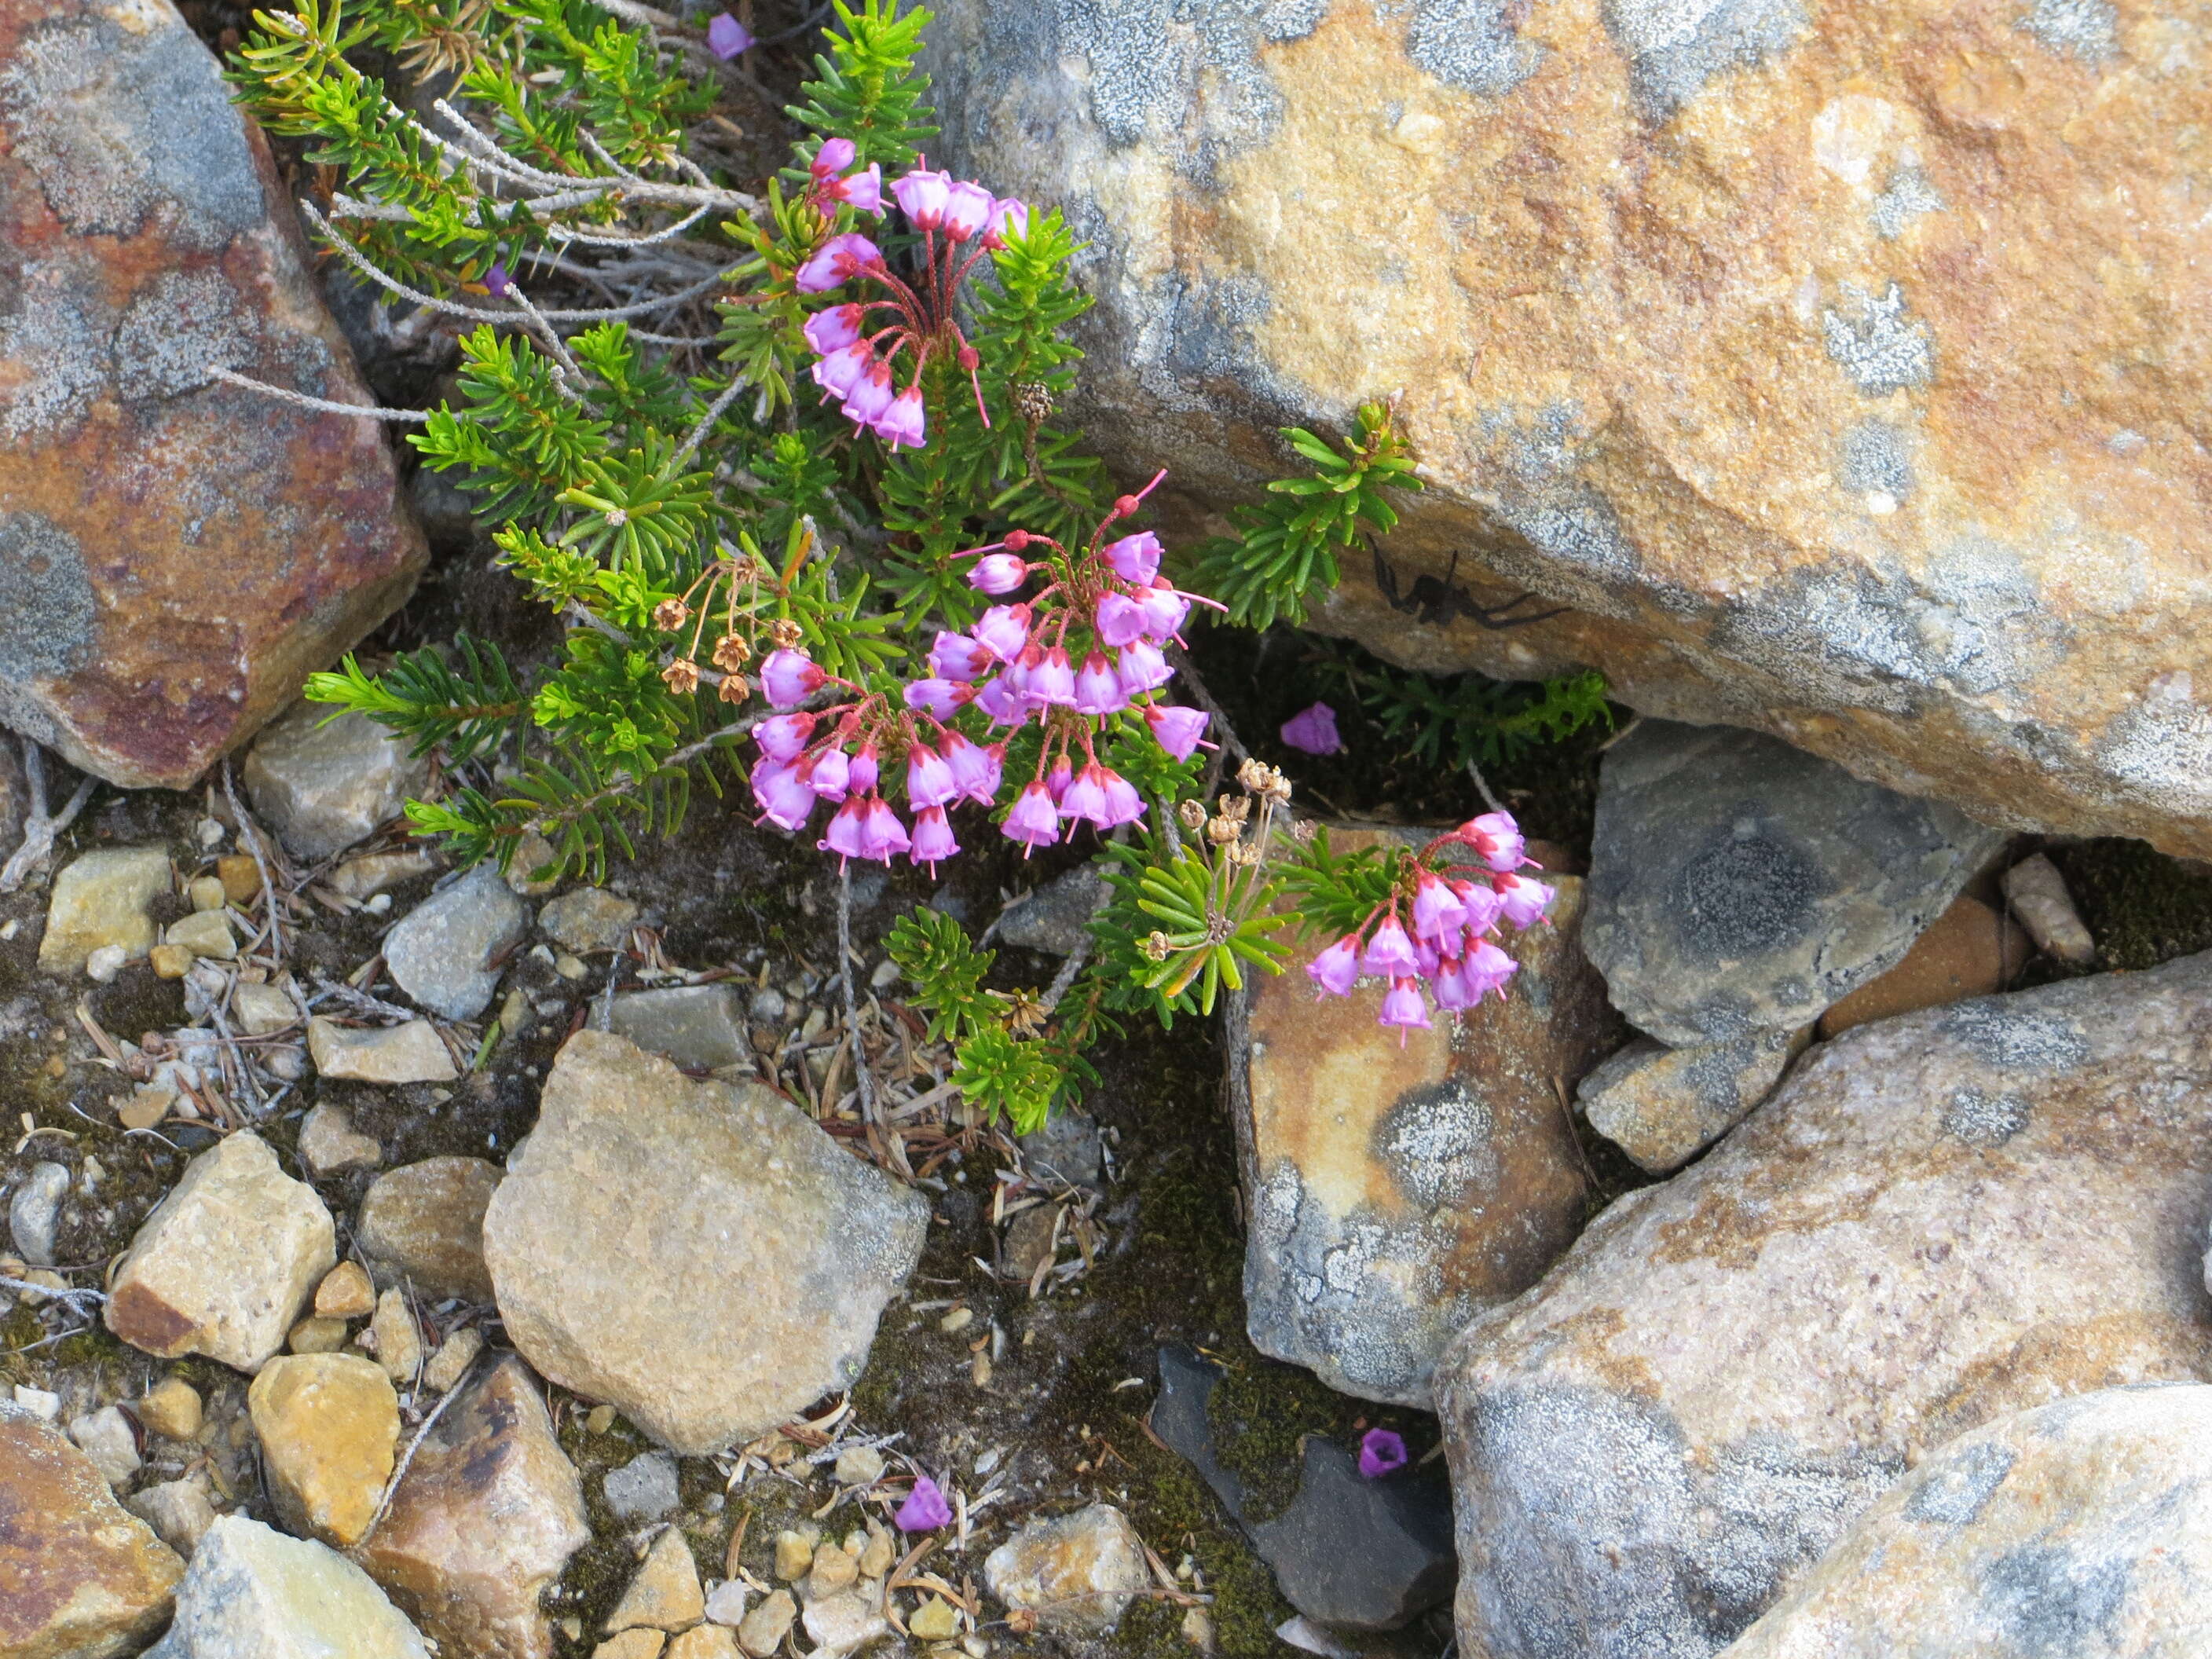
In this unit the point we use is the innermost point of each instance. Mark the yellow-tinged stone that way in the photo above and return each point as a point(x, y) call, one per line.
point(833, 1569)
point(794, 1555)
point(205, 933)
point(206, 893)
point(241, 878)
point(345, 1293)
point(705, 1641)
point(632, 1644)
point(666, 1594)
point(761, 1631)
point(99, 899)
point(881, 1550)
point(172, 1409)
point(933, 1622)
point(317, 1336)
point(452, 1361)
point(170, 961)
point(329, 1427)
point(78, 1576)
point(398, 1343)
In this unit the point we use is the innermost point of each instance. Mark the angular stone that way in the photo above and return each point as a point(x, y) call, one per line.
point(1970, 951)
point(262, 1009)
point(1395, 1191)
point(643, 1489)
point(252, 1590)
point(366, 877)
point(699, 1256)
point(726, 1602)
point(2082, 1527)
point(329, 1428)
point(346, 1292)
point(316, 1335)
point(700, 1027)
point(632, 1644)
point(1663, 1106)
point(1076, 1573)
point(100, 898)
point(172, 1409)
point(834, 1568)
point(106, 1436)
point(1937, 1219)
point(178, 552)
point(423, 1223)
point(446, 952)
point(761, 1632)
point(178, 1510)
point(321, 787)
point(205, 933)
point(1739, 885)
point(1056, 917)
point(79, 1578)
point(2038, 895)
point(1067, 1149)
point(330, 1143)
point(398, 1344)
point(488, 1513)
point(665, 1593)
point(704, 1641)
point(410, 1053)
point(1718, 380)
point(588, 920)
point(450, 1363)
point(224, 1264)
point(847, 1622)
point(34, 1212)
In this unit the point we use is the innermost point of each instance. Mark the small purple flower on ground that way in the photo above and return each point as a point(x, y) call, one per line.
point(498, 282)
point(726, 37)
point(1382, 1452)
point(926, 1510)
point(1312, 730)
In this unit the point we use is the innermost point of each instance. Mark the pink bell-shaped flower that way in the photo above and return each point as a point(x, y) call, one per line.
point(863, 191)
point(939, 698)
point(1002, 698)
point(845, 835)
point(870, 397)
point(998, 574)
point(842, 369)
point(1119, 619)
point(932, 838)
point(1524, 901)
point(785, 800)
point(1404, 1007)
point(837, 261)
point(726, 37)
point(1496, 839)
point(967, 209)
point(833, 330)
point(1135, 559)
point(1335, 970)
point(1486, 969)
point(929, 779)
point(1164, 609)
point(1003, 630)
point(881, 833)
point(1390, 954)
point(1034, 821)
point(1051, 680)
point(904, 423)
point(829, 773)
point(1312, 730)
point(976, 768)
point(1009, 219)
point(1176, 729)
point(1437, 912)
point(784, 737)
point(921, 197)
point(1098, 689)
point(1142, 667)
point(924, 1509)
point(863, 770)
point(956, 657)
point(787, 678)
point(832, 158)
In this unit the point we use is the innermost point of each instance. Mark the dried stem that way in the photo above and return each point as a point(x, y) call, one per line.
point(40, 826)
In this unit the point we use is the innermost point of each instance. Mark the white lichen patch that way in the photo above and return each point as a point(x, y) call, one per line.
point(1907, 196)
point(2087, 29)
point(1876, 343)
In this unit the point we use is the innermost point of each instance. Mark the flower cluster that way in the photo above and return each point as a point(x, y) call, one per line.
point(1083, 654)
point(1453, 893)
point(960, 222)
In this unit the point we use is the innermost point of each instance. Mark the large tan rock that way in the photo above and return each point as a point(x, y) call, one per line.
point(488, 1513)
point(1939, 1218)
point(252, 1591)
point(329, 1428)
point(148, 238)
point(226, 1262)
point(2082, 1527)
point(1397, 1190)
point(1835, 365)
point(79, 1578)
point(699, 1255)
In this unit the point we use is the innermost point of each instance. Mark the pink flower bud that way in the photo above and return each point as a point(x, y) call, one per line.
point(1057, 780)
point(921, 197)
point(787, 678)
point(1437, 913)
point(1135, 558)
point(1497, 840)
point(1119, 621)
point(998, 573)
point(832, 158)
point(833, 330)
point(932, 837)
point(1003, 630)
point(1176, 730)
point(726, 37)
point(967, 209)
point(1389, 952)
point(1034, 821)
point(1403, 1007)
point(863, 769)
point(1051, 680)
point(939, 698)
point(1334, 969)
point(1164, 609)
point(1097, 689)
point(829, 773)
point(784, 798)
point(1314, 731)
point(903, 424)
point(1009, 221)
point(1524, 901)
point(929, 779)
point(956, 657)
point(837, 260)
point(1142, 667)
point(782, 736)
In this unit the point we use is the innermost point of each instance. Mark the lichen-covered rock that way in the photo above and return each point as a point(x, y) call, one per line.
point(1663, 1106)
point(487, 1514)
point(252, 1591)
point(1738, 884)
point(423, 1223)
point(2081, 1528)
point(1395, 1190)
point(226, 1262)
point(699, 1255)
point(323, 779)
point(1707, 323)
point(79, 1578)
point(446, 952)
point(1938, 1220)
point(149, 239)
point(1075, 1572)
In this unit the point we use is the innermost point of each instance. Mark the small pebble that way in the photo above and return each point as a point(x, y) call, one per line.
point(345, 1293)
point(170, 961)
point(726, 1602)
point(933, 1622)
point(102, 965)
point(762, 1630)
point(859, 1466)
point(37, 1402)
point(599, 1419)
point(959, 1319)
point(206, 893)
point(317, 1336)
point(878, 1554)
point(569, 967)
point(832, 1571)
point(454, 1357)
point(794, 1555)
point(172, 1410)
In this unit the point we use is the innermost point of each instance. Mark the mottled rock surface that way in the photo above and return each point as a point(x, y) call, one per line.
point(1738, 884)
point(2081, 1528)
point(148, 237)
point(329, 1429)
point(322, 781)
point(588, 920)
point(446, 952)
point(700, 1027)
point(35, 1211)
point(1663, 1106)
point(252, 1591)
point(665, 1594)
point(423, 1223)
point(1938, 1220)
point(699, 1256)
point(1056, 917)
point(226, 1262)
point(1970, 951)
point(407, 1053)
point(1396, 1191)
point(79, 1578)
point(1708, 322)
point(1076, 1573)
point(489, 1511)
point(99, 899)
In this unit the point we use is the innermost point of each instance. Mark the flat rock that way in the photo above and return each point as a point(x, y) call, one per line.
point(700, 1027)
point(666, 1593)
point(1663, 1106)
point(252, 1590)
point(329, 1428)
point(1737, 381)
point(226, 1262)
point(847, 1622)
point(1738, 884)
point(408, 1052)
point(446, 952)
point(1970, 951)
point(644, 1489)
point(588, 920)
point(100, 898)
point(322, 784)
point(423, 1223)
point(699, 1256)
point(487, 1514)
point(2082, 1527)
point(1396, 1191)
point(1056, 917)
point(34, 1212)
point(1076, 1573)
point(1355, 1555)
point(178, 1511)
point(1067, 1149)
point(1660, 1440)
point(79, 1578)
point(153, 239)
point(329, 1143)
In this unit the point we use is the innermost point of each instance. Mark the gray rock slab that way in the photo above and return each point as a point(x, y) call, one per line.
point(446, 952)
point(1056, 917)
point(250, 1590)
point(1663, 1106)
point(320, 787)
point(643, 1489)
point(35, 1211)
point(700, 1027)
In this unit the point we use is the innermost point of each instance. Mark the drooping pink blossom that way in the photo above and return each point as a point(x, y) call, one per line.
point(1404, 1007)
point(862, 191)
point(1009, 221)
point(924, 1509)
point(998, 574)
point(929, 779)
point(781, 737)
point(1142, 667)
point(1496, 839)
point(870, 397)
point(832, 158)
point(1382, 1452)
point(785, 800)
point(882, 834)
point(1312, 730)
point(1486, 969)
point(844, 836)
point(1003, 630)
point(836, 261)
point(1176, 729)
point(1437, 912)
point(1098, 689)
point(975, 767)
point(932, 837)
point(1482, 903)
point(1000, 697)
point(1135, 559)
point(939, 698)
point(956, 657)
point(967, 209)
point(840, 371)
point(1164, 609)
point(1123, 804)
point(834, 329)
point(1084, 799)
point(1119, 619)
point(788, 677)
point(1389, 952)
point(1335, 970)
point(1524, 901)
point(1051, 680)
point(903, 425)
point(1034, 820)
point(1450, 988)
point(921, 197)
point(863, 770)
point(1057, 780)
point(726, 37)
point(829, 773)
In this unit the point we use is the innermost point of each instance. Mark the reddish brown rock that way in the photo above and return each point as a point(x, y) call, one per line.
point(1969, 950)
point(80, 1577)
point(488, 1513)
point(147, 236)
point(423, 1223)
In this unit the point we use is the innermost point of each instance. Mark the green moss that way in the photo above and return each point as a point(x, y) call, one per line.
point(2141, 907)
